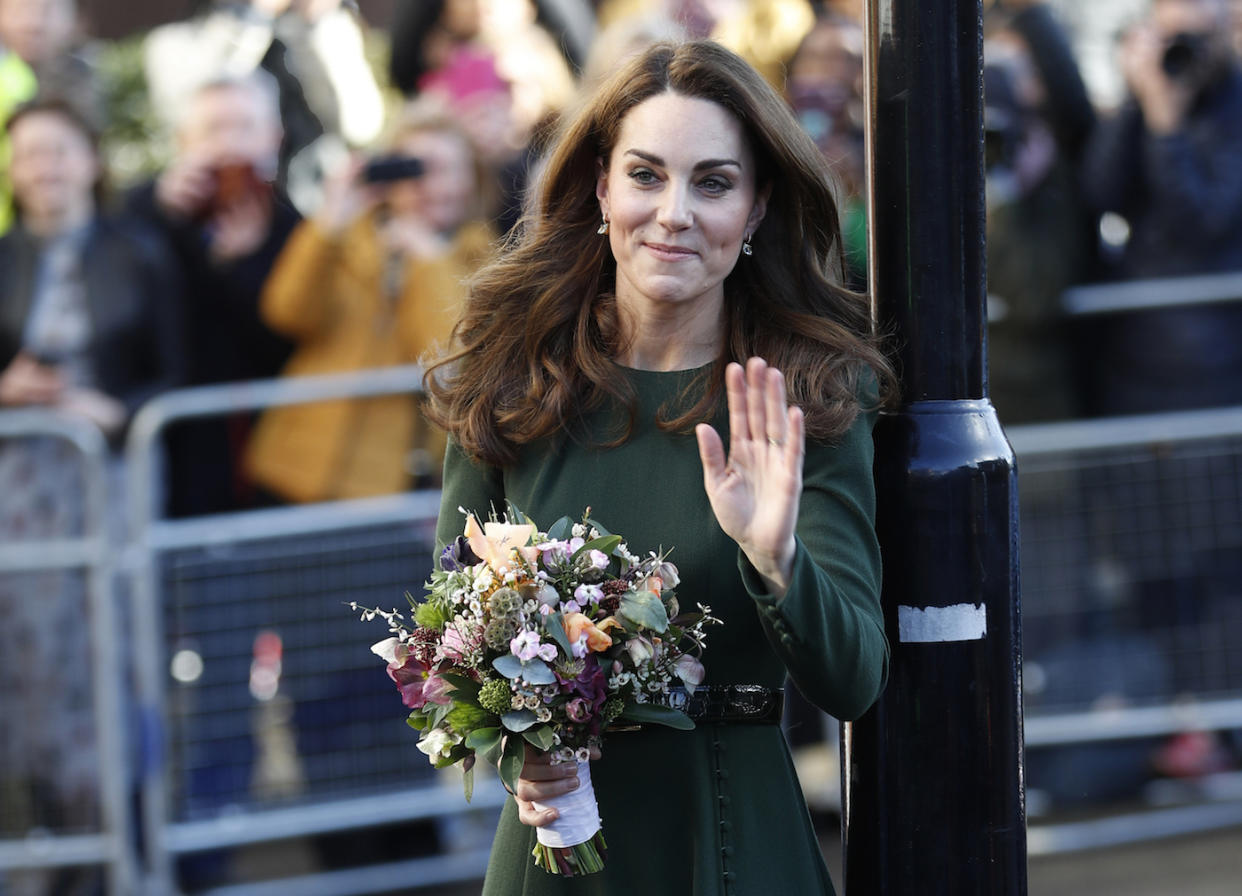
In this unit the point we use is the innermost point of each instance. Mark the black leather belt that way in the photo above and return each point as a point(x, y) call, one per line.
point(750, 704)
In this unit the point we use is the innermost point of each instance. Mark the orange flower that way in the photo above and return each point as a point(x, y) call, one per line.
point(493, 542)
point(597, 638)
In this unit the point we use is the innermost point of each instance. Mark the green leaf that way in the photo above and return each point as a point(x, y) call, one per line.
point(483, 739)
point(654, 714)
point(417, 720)
point(561, 529)
point(552, 625)
point(464, 717)
point(491, 754)
point(518, 720)
point(645, 610)
point(516, 515)
point(594, 524)
point(512, 758)
point(541, 738)
point(436, 714)
point(605, 544)
point(467, 782)
point(463, 686)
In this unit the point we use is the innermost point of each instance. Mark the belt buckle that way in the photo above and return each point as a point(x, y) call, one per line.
point(749, 700)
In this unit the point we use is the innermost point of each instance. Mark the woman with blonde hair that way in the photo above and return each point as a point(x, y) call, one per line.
point(374, 279)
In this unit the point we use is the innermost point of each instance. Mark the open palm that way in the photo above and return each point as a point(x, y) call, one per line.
point(754, 492)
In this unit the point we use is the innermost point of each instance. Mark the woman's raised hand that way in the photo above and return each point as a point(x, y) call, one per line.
point(755, 490)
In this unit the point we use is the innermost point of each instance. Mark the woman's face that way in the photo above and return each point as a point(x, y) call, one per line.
point(447, 190)
point(680, 193)
point(53, 167)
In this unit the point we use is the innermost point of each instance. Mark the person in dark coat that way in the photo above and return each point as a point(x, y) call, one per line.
point(88, 328)
point(216, 206)
point(1170, 164)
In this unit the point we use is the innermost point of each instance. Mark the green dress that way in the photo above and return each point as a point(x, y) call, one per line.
point(715, 811)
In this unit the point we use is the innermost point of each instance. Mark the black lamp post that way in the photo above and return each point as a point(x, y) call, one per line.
point(933, 789)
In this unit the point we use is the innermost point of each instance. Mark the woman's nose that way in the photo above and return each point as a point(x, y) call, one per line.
point(675, 212)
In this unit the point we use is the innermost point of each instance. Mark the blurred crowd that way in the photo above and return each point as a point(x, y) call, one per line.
point(313, 189)
point(325, 184)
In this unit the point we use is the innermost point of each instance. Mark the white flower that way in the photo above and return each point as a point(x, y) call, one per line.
point(438, 742)
point(543, 714)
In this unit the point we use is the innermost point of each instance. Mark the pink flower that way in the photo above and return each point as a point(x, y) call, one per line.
point(417, 684)
point(453, 645)
point(525, 646)
point(689, 670)
point(578, 710)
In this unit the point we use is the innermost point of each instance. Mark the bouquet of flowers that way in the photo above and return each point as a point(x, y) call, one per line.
point(548, 639)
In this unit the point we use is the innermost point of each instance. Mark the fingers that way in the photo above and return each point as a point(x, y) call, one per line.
point(542, 779)
point(536, 818)
point(711, 453)
point(758, 405)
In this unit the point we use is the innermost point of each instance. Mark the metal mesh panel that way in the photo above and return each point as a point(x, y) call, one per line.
point(1132, 573)
point(331, 724)
point(49, 756)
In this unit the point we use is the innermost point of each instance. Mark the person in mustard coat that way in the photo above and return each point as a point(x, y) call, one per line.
point(374, 279)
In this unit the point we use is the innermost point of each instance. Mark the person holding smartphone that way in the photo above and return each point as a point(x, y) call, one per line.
point(374, 279)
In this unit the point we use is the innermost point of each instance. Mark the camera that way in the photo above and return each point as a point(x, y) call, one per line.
point(1184, 56)
point(386, 169)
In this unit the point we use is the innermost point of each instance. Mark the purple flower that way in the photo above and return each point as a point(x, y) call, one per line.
point(417, 684)
point(525, 646)
point(589, 593)
point(457, 555)
point(578, 710)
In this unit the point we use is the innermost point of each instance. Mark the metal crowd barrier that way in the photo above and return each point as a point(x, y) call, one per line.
point(107, 840)
point(270, 720)
point(1131, 537)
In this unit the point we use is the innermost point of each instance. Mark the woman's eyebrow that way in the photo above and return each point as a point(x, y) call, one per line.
point(698, 166)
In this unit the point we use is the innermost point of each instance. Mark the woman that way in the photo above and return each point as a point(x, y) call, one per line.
point(88, 327)
point(373, 280)
point(685, 224)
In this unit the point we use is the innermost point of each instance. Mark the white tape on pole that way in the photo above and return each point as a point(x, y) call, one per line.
point(927, 625)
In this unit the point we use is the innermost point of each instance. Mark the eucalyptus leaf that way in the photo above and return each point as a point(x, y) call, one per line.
point(644, 609)
point(512, 758)
point(518, 720)
point(535, 671)
point(654, 714)
point(467, 783)
point(561, 529)
point(552, 624)
point(480, 739)
point(594, 524)
point(541, 738)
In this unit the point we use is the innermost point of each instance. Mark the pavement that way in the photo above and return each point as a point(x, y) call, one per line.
point(1200, 865)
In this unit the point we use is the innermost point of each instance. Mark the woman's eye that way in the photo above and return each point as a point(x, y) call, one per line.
point(643, 176)
point(716, 184)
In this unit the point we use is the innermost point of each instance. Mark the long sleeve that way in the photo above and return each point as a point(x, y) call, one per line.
point(1198, 182)
point(828, 628)
point(1069, 107)
point(300, 294)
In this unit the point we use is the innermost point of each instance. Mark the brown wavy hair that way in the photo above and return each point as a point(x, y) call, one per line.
point(534, 348)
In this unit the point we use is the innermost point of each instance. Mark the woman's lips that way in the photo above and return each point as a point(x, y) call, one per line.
point(670, 253)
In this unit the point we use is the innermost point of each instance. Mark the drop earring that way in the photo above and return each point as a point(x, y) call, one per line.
point(746, 247)
point(603, 228)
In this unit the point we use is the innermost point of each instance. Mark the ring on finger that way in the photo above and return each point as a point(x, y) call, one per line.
point(776, 442)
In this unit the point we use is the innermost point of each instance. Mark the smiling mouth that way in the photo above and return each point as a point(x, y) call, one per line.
point(670, 252)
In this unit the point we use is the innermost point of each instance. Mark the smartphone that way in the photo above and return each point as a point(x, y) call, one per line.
point(385, 169)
